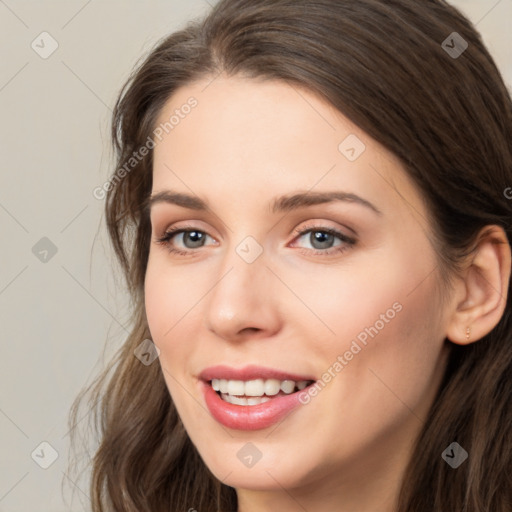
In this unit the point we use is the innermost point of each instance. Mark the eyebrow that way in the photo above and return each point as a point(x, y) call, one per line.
point(280, 204)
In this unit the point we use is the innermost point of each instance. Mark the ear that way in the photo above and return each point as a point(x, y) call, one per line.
point(481, 292)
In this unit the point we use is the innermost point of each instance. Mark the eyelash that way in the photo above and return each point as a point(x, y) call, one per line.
point(348, 241)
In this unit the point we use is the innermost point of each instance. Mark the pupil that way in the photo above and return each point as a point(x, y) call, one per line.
point(321, 237)
point(194, 234)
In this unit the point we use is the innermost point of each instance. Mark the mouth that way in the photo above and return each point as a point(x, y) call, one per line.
point(252, 398)
point(257, 391)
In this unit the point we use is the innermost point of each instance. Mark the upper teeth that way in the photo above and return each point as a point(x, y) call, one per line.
point(258, 387)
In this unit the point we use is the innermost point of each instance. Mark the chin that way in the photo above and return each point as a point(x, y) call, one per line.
point(270, 473)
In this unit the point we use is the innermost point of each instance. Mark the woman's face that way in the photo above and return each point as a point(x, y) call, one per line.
point(273, 283)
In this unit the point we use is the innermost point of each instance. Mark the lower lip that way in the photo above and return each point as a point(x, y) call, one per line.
point(249, 417)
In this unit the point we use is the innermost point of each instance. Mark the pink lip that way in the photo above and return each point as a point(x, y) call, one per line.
point(249, 417)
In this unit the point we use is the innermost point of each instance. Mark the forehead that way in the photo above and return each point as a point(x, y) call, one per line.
point(261, 137)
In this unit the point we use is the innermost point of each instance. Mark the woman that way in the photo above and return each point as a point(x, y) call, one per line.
point(310, 209)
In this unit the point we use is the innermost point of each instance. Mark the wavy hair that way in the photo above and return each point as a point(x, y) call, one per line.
point(448, 119)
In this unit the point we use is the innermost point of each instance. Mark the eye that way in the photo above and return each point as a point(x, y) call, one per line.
point(323, 240)
point(192, 239)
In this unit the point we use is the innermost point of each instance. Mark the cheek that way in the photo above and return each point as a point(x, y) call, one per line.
point(159, 304)
point(360, 302)
point(170, 314)
point(397, 369)
point(386, 383)
point(389, 294)
point(170, 296)
point(386, 333)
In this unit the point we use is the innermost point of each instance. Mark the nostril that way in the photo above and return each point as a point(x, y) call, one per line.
point(250, 329)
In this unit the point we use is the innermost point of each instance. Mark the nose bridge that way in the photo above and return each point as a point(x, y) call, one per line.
point(243, 272)
point(240, 297)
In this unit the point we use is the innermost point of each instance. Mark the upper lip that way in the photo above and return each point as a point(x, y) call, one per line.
point(251, 372)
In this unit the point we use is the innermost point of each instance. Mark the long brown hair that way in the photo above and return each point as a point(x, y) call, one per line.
point(448, 118)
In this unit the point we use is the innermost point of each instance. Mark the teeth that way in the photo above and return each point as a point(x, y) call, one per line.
point(236, 400)
point(255, 388)
point(272, 387)
point(257, 400)
point(236, 387)
point(287, 386)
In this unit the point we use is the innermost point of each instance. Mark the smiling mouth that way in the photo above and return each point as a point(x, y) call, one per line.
point(255, 392)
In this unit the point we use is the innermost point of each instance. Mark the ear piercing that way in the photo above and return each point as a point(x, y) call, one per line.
point(468, 332)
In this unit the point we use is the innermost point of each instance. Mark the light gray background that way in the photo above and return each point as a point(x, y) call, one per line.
point(57, 316)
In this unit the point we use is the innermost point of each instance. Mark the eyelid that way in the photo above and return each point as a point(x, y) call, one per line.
point(193, 225)
point(322, 226)
point(176, 230)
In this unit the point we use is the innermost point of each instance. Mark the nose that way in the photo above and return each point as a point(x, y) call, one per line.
point(244, 301)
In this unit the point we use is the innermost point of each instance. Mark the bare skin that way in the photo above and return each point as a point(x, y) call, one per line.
point(300, 304)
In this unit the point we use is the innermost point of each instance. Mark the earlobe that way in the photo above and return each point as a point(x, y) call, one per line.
point(483, 288)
